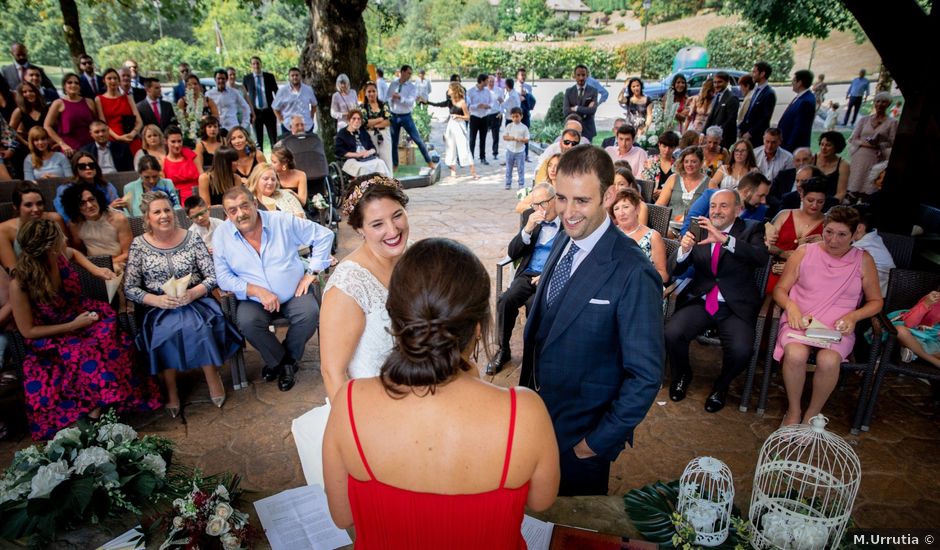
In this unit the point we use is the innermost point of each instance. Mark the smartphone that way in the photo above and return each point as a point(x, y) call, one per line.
point(697, 231)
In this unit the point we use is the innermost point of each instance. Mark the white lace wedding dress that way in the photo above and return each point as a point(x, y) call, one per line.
point(359, 284)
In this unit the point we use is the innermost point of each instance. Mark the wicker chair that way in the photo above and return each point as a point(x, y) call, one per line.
point(659, 217)
point(646, 189)
point(137, 225)
point(905, 288)
point(6, 211)
point(901, 248)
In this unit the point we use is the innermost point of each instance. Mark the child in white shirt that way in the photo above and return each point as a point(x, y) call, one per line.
point(516, 136)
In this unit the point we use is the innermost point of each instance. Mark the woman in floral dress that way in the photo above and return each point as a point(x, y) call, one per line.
point(77, 361)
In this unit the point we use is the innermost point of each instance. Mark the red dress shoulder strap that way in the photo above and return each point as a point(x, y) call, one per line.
point(512, 429)
point(352, 424)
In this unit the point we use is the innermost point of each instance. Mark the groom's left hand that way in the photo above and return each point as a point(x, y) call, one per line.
point(581, 450)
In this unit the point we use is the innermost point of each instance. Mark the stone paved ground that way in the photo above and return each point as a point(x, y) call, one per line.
point(251, 436)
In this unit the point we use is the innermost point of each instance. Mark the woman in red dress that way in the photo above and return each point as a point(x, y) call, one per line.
point(180, 164)
point(796, 227)
point(119, 112)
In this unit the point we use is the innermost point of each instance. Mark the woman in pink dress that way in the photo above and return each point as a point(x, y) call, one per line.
point(180, 164)
point(823, 283)
point(120, 112)
point(69, 119)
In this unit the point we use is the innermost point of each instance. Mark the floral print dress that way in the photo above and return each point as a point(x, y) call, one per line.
point(67, 376)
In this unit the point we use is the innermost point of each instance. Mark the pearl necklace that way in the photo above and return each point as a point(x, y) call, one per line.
point(628, 233)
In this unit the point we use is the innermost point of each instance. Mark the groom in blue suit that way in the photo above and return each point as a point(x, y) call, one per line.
point(594, 336)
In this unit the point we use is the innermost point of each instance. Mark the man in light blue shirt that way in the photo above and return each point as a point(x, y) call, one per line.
point(858, 91)
point(602, 92)
point(255, 255)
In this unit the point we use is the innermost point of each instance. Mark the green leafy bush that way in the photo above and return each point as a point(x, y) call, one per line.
point(740, 46)
point(556, 110)
point(652, 59)
point(542, 132)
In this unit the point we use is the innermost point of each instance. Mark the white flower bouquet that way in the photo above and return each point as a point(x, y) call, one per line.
point(663, 120)
point(207, 519)
point(86, 473)
point(190, 117)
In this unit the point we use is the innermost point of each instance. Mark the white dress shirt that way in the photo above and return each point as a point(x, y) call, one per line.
point(381, 88)
point(771, 167)
point(495, 95)
point(290, 102)
point(477, 96)
point(230, 103)
point(424, 89)
point(585, 245)
point(550, 228)
point(510, 100)
point(407, 92)
point(872, 243)
point(105, 159)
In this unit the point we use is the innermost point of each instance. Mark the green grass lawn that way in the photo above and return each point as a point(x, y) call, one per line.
point(406, 170)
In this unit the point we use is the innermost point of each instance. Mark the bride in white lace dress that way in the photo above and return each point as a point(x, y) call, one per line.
point(354, 339)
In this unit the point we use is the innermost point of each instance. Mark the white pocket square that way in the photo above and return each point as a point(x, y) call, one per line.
point(599, 302)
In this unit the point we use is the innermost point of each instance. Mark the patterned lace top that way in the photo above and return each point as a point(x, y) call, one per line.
point(148, 267)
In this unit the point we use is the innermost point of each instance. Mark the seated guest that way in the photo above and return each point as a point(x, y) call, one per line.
point(42, 162)
point(722, 294)
point(69, 119)
point(570, 137)
point(612, 140)
point(264, 183)
point(753, 192)
point(209, 142)
point(177, 333)
point(153, 144)
point(796, 227)
point(86, 170)
point(659, 167)
point(685, 186)
point(623, 179)
point(741, 162)
point(771, 159)
point(101, 230)
point(249, 155)
point(867, 238)
point(823, 283)
point(715, 154)
point(290, 177)
point(353, 143)
point(272, 282)
point(792, 200)
point(30, 110)
point(112, 156)
point(919, 329)
point(179, 166)
point(204, 224)
point(525, 195)
point(785, 182)
point(625, 210)
point(438, 302)
point(530, 247)
point(149, 181)
point(625, 150)
point(77, 361)
point(28, 205)
point(690, 138)
point(220, 178)
point(835, 169)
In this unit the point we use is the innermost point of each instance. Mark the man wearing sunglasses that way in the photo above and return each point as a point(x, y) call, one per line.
point(530, 247)
point(570, 137)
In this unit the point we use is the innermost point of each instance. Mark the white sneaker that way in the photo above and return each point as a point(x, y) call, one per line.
point(907, 355)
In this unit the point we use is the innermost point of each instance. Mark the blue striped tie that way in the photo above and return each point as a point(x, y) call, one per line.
point(561, 274)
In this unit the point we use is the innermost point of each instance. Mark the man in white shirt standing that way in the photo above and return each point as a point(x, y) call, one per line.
point(402, 95)
point(295, 99)
point(423, 85)
point(771, 159)
point(495, 117)
point(381, 85)
point(478, 101)
point(229, 102)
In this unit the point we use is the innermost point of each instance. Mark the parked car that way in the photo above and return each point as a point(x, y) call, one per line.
point(167, 90)
point(695, 78)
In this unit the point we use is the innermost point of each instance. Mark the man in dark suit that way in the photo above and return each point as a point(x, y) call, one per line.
point(582, 99)
point(91, 84)
point(112, 156)
point(262, 87)
point(179, 91)
point(530, 247)
point(796, 123)
point(724, 113)
point(612, 140)
point(722, 293)
point(761, 108)
point(785, 180)
point(15, 73)
point(153, 109)
point(127, 88)
point(593, 339)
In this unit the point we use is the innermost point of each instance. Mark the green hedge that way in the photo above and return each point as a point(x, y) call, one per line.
point(740, 46)
point(652, 59)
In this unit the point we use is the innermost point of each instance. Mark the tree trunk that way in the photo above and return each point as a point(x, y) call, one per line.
point(336, 44)
point(914, 154)
point(72, 31)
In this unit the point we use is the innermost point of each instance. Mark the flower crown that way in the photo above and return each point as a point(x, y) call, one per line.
point(356, 195)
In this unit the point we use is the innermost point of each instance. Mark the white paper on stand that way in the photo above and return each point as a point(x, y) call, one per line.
point(131, 540)
point(537, 533)
point(300, 518)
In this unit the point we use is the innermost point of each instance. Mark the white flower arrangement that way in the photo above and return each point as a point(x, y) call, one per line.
point(47, 478)
point(92, 456)
point(190, 117)
point(116, 434)
point(202, 514)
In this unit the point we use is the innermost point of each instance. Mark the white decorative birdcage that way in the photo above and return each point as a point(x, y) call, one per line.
point(804, 488)
point(706, 495)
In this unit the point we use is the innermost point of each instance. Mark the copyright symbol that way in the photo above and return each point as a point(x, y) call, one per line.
point(928, 539)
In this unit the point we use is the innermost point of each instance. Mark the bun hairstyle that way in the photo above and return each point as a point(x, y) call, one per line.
point(438, 295)
point(366, 189)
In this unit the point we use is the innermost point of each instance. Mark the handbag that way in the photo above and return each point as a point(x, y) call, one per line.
point(308, 430)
